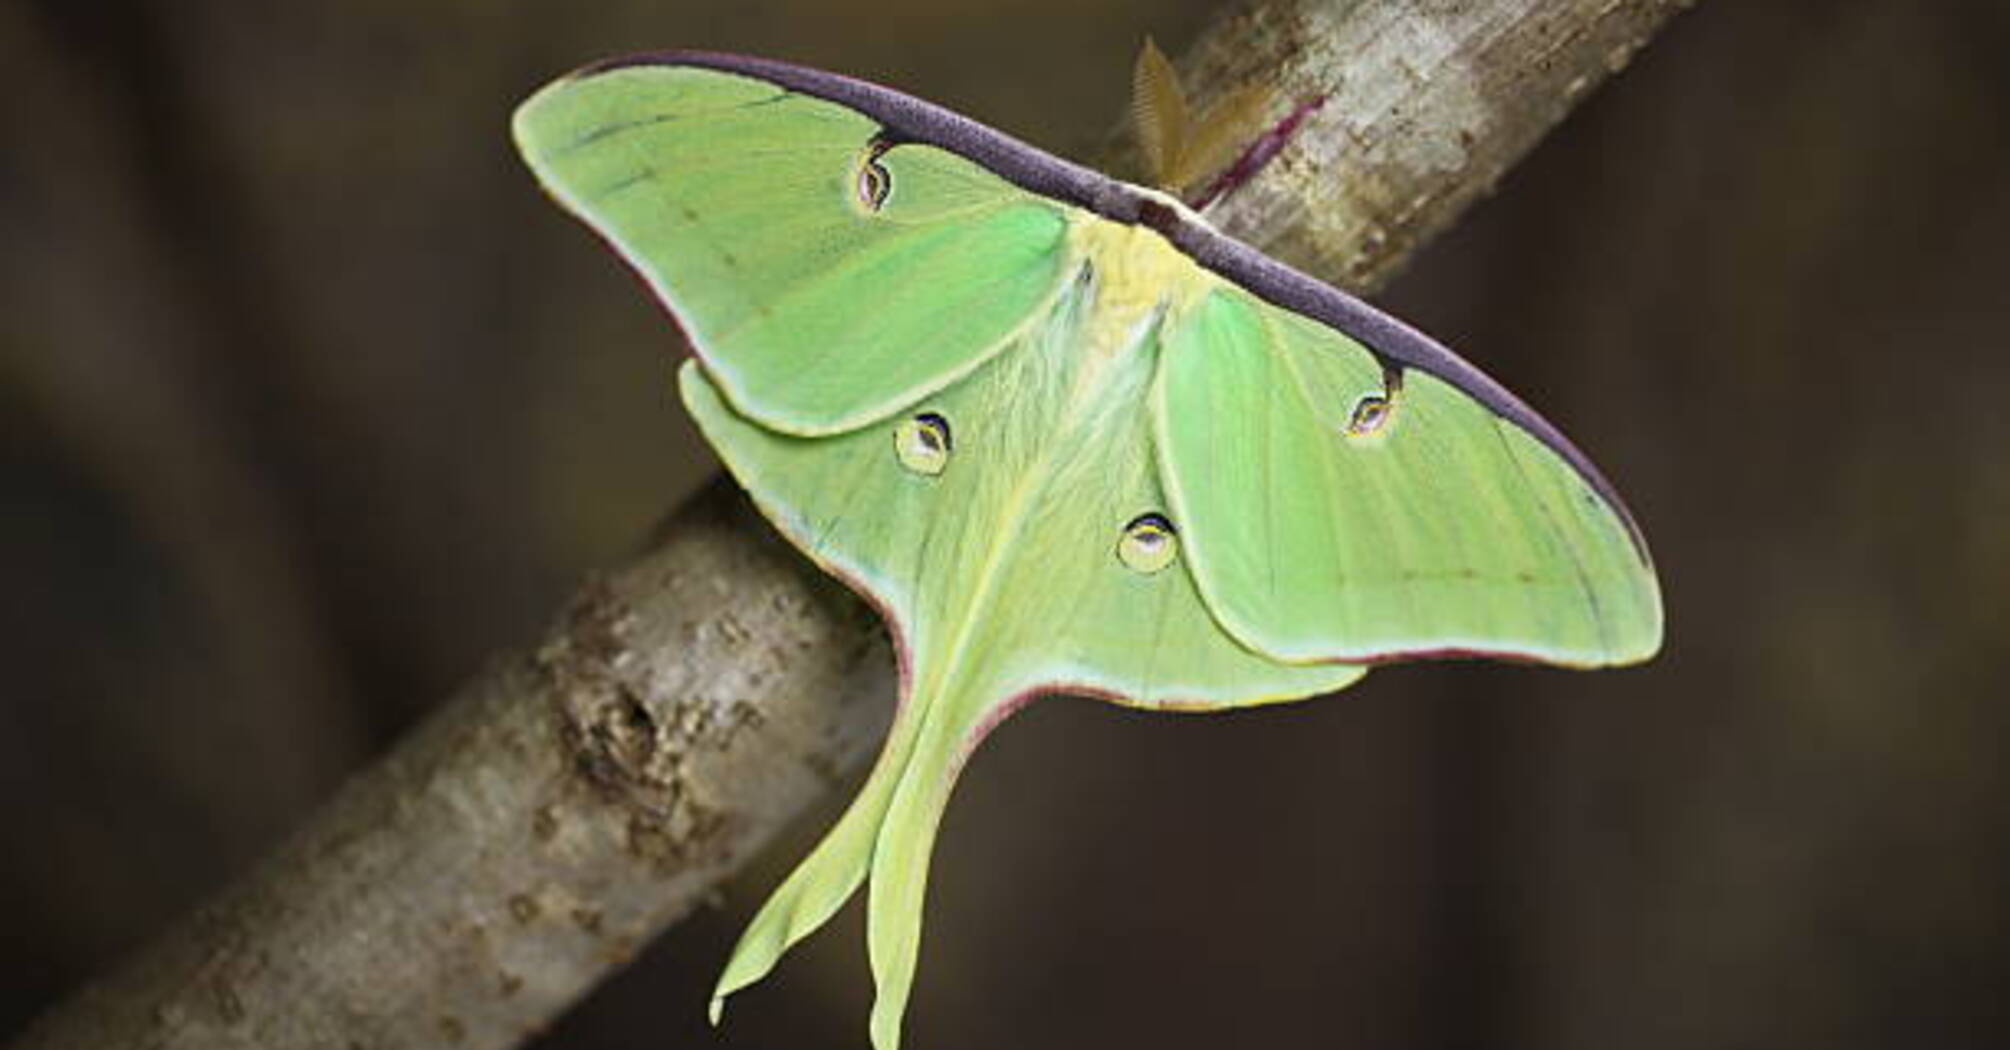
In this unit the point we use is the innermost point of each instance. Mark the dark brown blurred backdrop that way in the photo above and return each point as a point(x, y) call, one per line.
point(308, 401)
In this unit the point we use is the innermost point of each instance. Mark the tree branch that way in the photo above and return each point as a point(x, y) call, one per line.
point(1427, 104)
point(570, 804)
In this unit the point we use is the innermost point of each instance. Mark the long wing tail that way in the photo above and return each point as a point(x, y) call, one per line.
point(900, 863)
point(888, 832)
point(827, 877)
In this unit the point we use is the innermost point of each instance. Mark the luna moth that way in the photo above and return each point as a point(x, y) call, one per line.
point(1066, 436)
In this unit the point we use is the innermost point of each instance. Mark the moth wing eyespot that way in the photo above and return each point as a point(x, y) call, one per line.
point(1148, 544)
point(875, 183)
point(923, 443)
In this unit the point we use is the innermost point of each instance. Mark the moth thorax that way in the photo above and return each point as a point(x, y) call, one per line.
point(1137, 272)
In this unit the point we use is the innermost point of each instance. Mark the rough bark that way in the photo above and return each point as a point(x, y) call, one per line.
point(571, 803)
point(1427, 103)
point(531, 835)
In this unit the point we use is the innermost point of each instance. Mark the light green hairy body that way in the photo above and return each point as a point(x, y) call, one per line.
point(1058, 455)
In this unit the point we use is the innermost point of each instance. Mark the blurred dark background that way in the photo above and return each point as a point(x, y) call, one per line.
point(309, 401)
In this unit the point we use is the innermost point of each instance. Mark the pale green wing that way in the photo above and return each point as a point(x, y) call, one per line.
point(1002, 567)
point(1034, 415)
point(1335, 510)
point(1008, 558)
point(824, 275)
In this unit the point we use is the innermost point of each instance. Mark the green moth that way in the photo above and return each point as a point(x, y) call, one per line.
point(1066, 436)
